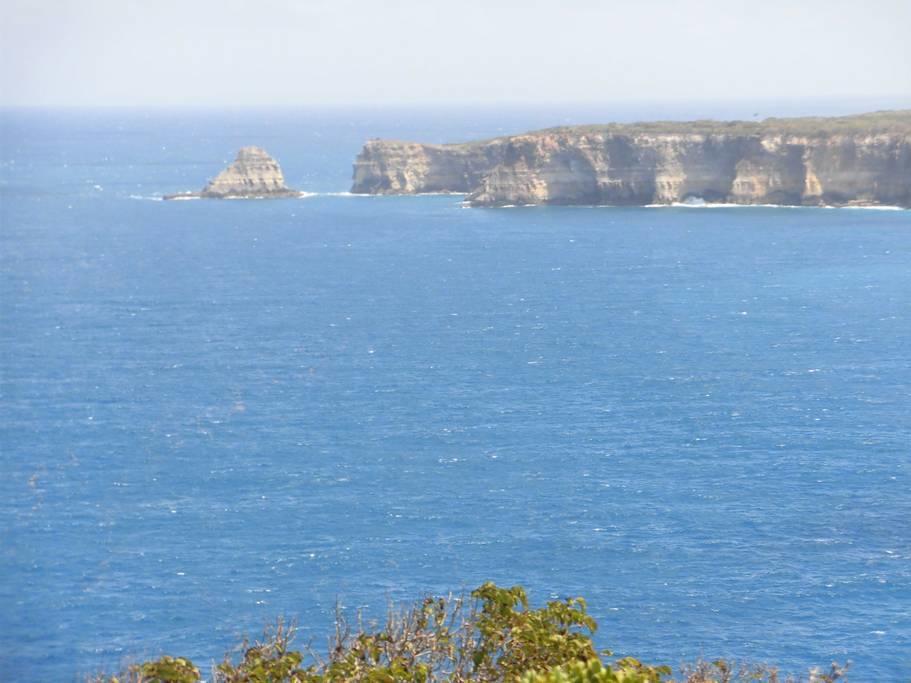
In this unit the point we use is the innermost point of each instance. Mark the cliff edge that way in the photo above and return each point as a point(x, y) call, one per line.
point(252, 175)
point(837, 161)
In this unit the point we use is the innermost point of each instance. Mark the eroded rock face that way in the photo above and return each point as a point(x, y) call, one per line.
point(252, 174)
point(388, 167)
point(837, 161)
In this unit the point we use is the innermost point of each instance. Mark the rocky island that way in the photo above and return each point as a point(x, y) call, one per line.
point(862, 160)
point(253, 175)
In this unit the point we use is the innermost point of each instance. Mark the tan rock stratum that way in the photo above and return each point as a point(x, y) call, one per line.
point(252, 175)
point(852, 160)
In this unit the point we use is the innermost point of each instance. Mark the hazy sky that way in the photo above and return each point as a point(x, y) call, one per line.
point(310, 52)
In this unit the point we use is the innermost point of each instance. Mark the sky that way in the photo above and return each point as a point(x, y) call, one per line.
point(388, 52)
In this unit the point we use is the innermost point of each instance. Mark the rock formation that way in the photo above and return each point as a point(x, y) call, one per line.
point(253, 175)
point(853, 160)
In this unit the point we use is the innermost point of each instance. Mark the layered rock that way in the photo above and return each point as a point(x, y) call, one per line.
point(387, 167)
point(253, 175)
point(863, 160)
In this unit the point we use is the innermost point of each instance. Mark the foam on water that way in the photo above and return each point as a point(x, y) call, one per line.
point(725, 205)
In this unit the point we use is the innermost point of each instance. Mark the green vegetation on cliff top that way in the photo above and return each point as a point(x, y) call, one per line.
point(893, 122)
point(879, 122)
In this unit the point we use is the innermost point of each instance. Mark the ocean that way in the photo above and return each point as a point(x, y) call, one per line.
point(214, 413)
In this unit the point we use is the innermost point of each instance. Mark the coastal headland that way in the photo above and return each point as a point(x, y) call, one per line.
point(862, 160)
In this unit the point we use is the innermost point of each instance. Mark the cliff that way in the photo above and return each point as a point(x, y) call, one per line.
point(853, 160)
point(253, 175)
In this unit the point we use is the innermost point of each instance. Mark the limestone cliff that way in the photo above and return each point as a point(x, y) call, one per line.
point(253, 174)
point(863, 160)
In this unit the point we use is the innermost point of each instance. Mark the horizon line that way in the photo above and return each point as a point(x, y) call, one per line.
point(890, 101)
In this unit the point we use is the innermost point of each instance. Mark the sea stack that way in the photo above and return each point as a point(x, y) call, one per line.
point(253, 175)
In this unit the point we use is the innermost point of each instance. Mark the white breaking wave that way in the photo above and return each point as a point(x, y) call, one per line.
point(721, 205)
point(673, 205)
point(875, 208)
point(300, 195)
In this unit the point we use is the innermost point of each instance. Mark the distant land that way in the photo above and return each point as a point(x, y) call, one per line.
point(252, 175)
point(861, 160)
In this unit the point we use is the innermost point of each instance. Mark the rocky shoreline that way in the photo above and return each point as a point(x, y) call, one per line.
point(862, 160)
point(252, 175)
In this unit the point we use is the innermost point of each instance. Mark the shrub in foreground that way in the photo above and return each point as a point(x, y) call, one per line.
point(493, 636)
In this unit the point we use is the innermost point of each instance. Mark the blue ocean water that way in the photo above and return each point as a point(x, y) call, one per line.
point(214, 413)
